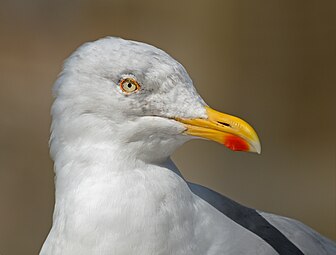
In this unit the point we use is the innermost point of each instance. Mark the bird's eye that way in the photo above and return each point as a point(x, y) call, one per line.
point(129, 85)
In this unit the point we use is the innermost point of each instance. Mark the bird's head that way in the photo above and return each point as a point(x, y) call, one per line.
point(137, 96)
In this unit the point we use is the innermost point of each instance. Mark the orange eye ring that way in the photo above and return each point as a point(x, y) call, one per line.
point(129, 85)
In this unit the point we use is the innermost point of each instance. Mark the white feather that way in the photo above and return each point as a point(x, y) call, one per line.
point(117, 192)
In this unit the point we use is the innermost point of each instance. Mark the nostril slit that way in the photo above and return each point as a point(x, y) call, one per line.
point(224, 124)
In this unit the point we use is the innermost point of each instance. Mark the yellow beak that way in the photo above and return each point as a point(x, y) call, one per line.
point(233, 132)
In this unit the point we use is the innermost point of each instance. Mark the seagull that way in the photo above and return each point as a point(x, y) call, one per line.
point(121, 109)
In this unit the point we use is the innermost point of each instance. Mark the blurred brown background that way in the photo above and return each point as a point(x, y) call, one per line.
point(272, 63)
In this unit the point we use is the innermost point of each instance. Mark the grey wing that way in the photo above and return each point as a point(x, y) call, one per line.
point(286, 236)
point(308, 240)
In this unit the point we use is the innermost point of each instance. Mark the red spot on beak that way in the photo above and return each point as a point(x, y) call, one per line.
point(236, 143)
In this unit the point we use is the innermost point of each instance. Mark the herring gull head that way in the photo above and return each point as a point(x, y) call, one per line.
point(140, 98)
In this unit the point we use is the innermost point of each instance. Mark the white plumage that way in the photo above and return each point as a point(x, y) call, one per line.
point(117, 191)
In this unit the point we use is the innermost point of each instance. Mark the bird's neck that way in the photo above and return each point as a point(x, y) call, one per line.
point(98, 173)
point(94, 154)
point(99, 194)
point(104, 191)
point(74, 162)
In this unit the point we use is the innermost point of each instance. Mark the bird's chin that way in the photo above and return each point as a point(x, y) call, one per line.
point(157, 150)
point(153, 139)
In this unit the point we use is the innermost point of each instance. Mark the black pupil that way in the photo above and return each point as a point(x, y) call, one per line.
point(129, 85)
